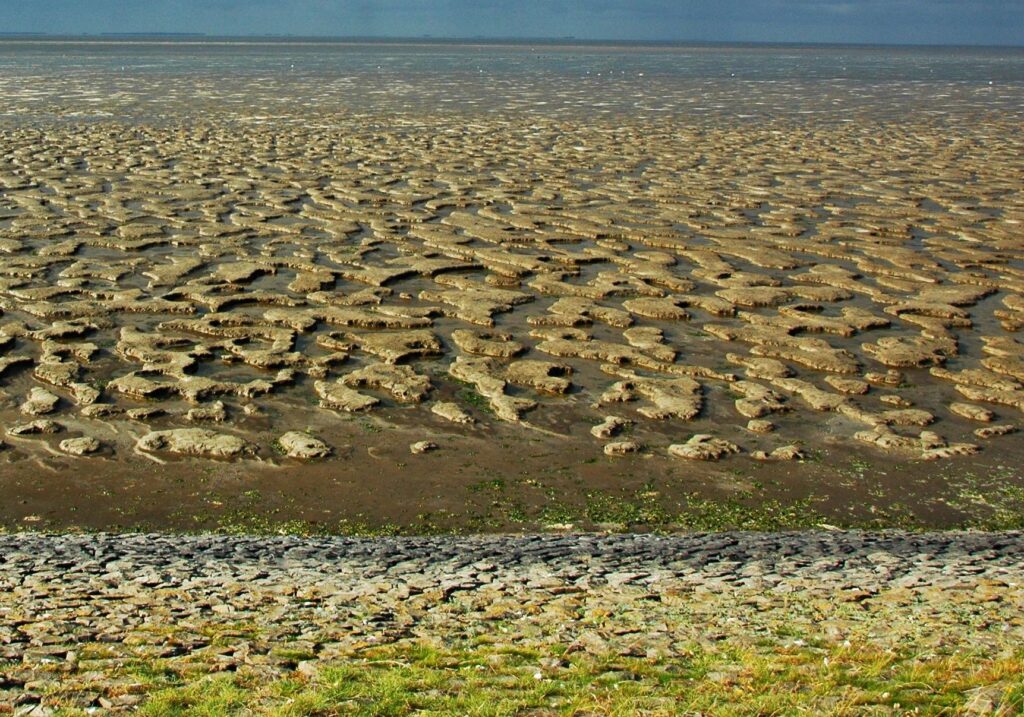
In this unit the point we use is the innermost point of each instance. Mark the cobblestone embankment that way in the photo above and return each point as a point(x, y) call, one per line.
point(76, 609)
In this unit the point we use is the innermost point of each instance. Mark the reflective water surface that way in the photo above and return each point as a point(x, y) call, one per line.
point(835, 83)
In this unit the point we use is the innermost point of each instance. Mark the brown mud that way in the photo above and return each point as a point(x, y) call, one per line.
point(831, 313)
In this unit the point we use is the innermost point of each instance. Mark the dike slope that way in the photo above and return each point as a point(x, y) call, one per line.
point(79, 613)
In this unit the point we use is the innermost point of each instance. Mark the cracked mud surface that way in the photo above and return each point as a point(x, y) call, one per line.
point(197, 286)
point(258, 272)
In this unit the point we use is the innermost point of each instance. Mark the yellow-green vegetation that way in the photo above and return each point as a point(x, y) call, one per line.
point(740, 653)
point(724, 624)
point(850, 678)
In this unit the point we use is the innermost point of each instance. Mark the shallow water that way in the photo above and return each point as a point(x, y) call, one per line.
point(157, 78)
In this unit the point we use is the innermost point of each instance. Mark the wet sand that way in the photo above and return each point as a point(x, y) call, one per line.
point(483, 322)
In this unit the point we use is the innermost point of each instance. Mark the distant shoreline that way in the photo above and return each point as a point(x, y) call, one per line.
point(550, 42)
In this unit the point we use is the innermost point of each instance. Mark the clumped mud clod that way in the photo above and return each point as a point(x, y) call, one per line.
point(296, 444)
point(196, 441)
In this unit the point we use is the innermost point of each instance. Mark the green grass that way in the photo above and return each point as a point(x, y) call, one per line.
point(646, 509)
point(760, 514)
point(986, 501)
point(470, 395)
point(641, 510)
point(845, 679)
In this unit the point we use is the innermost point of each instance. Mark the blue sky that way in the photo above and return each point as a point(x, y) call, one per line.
point(885, 21)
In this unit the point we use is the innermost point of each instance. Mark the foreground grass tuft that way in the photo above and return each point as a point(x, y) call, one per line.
point(842, 679)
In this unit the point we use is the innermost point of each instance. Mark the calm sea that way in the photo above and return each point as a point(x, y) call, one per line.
point(262, 79)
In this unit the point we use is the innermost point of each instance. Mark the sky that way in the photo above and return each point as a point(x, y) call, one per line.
point(977, 22)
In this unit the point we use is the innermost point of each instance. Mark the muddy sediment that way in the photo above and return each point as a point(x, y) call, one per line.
point(179, 293)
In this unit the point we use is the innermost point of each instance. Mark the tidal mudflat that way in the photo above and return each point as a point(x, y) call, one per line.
point(225, 308)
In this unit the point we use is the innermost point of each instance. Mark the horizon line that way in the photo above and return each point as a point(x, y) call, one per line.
point(157, 37)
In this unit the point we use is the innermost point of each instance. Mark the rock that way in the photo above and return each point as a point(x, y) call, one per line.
point(80, 446)
point(621, 448)
point(100, 410)
point(39, 402)
point(474, 303)
point(884, 438)
point(663, 309)
point(777, 343)
point(914, 351)
point(482, 373)
point(610, 426)
point(396, 346)
point(303, 446)
point(953, 449)
point(496, 344)
point(400, 381)
point(137, 387)
point(758, 400)
point(928, 446)
point(762, 368)
point(759, 425)
point(451, 412)
point(542, 376)
point(848, 385)
point(57, 372)
point(421, 447)
point(579, 311)
point(339, 397)
point(889, 378)
point(783, 453)
point(703, 447)
point(671, 397)
point(755, 296)
point(40, 426)
point(84, 393)
point(993, 431)
point(214, 412)
point(1008, 365)
point(984, 701)
point(907, 417)
point(972, 412)
point(1006, 397)
point(650, 340)
point(196, 441)
point(806, 318)
point(145, 414)
point(242, 271)
point(169, 278)
point(815, 397)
